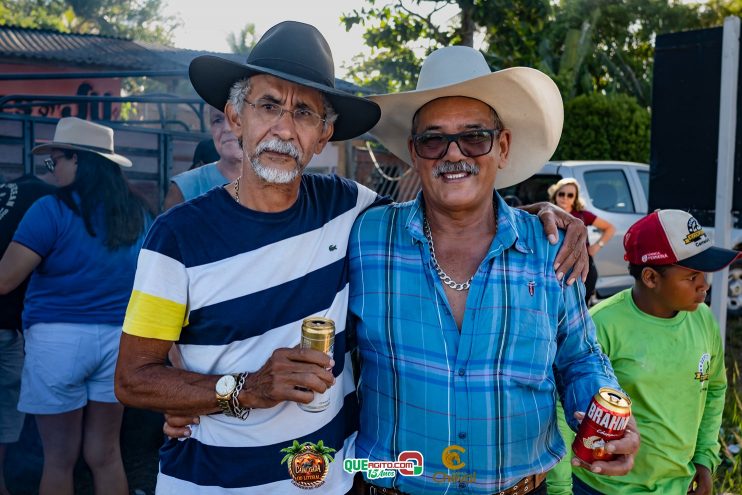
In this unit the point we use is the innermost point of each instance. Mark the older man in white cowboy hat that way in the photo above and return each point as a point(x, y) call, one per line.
point(227, 278)
point(465, 334)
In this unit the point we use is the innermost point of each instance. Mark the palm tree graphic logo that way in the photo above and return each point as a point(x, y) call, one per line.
point(308, 463)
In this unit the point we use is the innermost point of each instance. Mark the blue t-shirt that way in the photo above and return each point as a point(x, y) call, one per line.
point(198, 181)
point(79, 280)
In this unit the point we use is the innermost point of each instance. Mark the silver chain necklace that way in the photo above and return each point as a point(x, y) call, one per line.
point(441, 274)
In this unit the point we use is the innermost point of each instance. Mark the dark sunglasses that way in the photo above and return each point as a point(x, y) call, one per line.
point(433, 146)
point(51, 162)
point(561, 194)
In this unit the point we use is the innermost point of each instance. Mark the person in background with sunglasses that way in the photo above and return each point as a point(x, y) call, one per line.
point(465, 333)
point(566, 195)
point(80, 246)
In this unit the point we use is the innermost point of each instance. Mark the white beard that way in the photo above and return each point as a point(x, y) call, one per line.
point(274, 175)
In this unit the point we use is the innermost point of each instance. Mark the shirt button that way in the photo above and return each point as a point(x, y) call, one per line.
point(462, 485)
point(462, 372)
point(462, 435)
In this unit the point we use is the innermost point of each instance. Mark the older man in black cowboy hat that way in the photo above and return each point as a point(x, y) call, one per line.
point(227, 278)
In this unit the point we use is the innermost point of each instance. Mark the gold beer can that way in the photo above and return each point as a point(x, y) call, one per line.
point(318, 333)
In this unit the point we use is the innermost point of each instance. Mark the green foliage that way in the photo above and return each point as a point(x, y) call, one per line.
point(623, 33)
point(400, 36)
point(139, 20)
point(43, 14)
point(587, 46)
point(513, 31)
point(243, 41)
point(604, 127)
point(713, 12)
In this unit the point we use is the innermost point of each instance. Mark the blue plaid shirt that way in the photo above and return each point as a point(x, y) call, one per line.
point(488, 393)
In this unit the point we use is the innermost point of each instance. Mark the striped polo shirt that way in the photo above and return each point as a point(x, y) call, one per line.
point(229, 285)
point(478, 403)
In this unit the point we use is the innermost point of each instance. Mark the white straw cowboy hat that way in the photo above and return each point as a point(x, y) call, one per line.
point(527, 101)
point(77, 134)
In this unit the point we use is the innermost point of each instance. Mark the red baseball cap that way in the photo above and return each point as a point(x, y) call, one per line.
point(674, 237)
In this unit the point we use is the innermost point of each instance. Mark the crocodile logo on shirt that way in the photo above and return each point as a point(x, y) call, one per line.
point(332, 247)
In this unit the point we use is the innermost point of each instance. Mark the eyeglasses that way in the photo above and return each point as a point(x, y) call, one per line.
point(51, 162)
point(569, 195)
point(270, 112)
point(434, 146)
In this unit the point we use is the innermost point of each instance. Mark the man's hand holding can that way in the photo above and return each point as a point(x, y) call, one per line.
point(624, 450)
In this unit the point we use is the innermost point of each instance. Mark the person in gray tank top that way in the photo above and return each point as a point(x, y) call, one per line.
point(188, 185)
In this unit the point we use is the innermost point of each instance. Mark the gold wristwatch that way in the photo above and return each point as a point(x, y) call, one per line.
point(225, 387)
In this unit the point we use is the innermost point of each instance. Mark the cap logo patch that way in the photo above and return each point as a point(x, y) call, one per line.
point(695, 233)
point(656, 255)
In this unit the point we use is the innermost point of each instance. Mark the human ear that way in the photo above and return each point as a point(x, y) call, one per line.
point(503, 151)
point(233, 119)
point(327, 131)
point(649, 277)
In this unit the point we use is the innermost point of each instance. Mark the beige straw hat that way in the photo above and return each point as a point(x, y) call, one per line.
point(77, 134)
point(527, 101)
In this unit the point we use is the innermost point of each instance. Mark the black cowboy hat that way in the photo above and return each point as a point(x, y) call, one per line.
point(298, 53)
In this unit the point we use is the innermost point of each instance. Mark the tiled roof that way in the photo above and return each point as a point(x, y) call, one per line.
point(105, 52)
point(79, 49)
point(182, 56)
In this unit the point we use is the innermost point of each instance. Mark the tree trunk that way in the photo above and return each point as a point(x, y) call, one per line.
point(468, 25)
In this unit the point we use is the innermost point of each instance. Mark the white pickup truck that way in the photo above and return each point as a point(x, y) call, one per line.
point(616, 192)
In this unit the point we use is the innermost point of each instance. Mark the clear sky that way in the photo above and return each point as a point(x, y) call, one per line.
point(206, 24)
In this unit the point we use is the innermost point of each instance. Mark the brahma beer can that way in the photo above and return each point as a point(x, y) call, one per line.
point(318, 333)
point(606, 419)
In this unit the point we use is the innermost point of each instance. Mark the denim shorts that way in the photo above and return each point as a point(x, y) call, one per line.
point(67, 365)
point(11, 363)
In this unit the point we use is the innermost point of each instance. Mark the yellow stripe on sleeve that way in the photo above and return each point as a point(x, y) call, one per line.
point(154, 317)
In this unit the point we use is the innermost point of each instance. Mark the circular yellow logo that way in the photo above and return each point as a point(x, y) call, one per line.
point(452, 457)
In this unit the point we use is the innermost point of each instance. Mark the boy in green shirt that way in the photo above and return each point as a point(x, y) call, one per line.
point(665, 348)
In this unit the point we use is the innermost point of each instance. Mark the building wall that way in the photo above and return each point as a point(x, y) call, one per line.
point(61, 87)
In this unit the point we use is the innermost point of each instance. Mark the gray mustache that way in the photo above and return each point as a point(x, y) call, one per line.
point(455, 167)
point(276, 145)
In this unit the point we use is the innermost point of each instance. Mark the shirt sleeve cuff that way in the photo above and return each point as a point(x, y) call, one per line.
point(710, 462)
